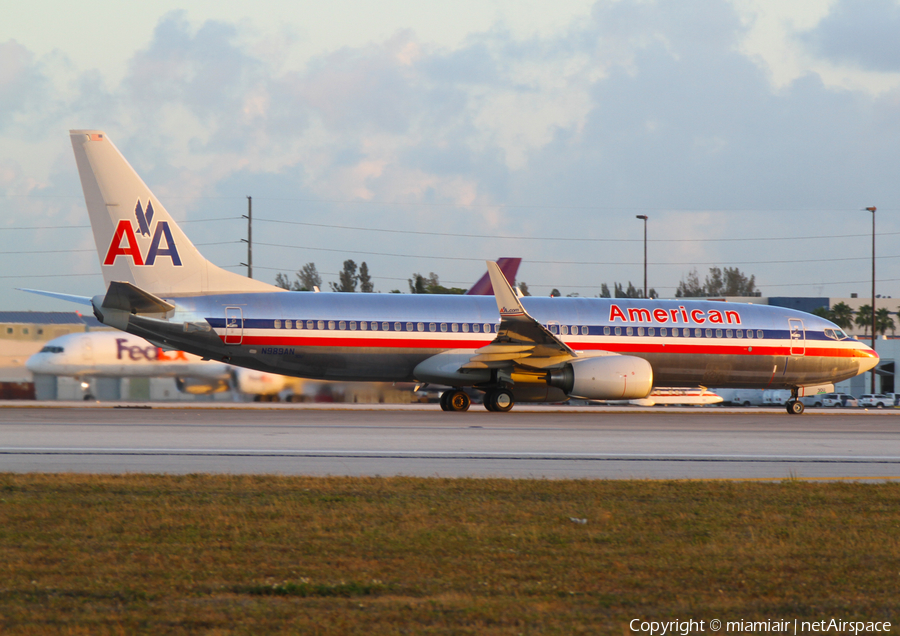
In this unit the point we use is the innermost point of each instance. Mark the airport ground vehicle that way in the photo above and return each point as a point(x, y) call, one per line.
point(838, 400)
point(741, 397)
point(876, 400)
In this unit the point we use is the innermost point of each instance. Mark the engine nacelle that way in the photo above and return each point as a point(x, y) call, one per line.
point(200, 386)
point(252, 382)
point(605, 378)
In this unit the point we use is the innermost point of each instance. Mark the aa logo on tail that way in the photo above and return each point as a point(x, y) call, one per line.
point(125, 243)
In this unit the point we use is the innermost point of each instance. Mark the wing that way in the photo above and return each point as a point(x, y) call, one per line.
point(521, 340)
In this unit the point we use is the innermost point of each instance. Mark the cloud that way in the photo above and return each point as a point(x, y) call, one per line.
point(859, 33)
point(22, 84)
point(648, 106)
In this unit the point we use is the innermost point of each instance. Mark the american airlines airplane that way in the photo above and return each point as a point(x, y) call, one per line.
point(113, 354)
point(161, 288)
point(104, 354)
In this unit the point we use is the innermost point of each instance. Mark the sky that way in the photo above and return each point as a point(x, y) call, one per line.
point(428, 137)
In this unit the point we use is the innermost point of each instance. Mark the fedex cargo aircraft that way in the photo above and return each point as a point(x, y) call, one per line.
point(161, 288)
point(113, 354)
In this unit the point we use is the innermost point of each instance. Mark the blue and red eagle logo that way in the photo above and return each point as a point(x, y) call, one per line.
point(125, 243)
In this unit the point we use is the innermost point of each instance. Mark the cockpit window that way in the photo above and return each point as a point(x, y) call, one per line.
point(836, 334)
point(52, 349)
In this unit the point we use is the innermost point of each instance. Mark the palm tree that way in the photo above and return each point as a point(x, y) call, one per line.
point(883, 321)
point(864, 318)
point(842, 315)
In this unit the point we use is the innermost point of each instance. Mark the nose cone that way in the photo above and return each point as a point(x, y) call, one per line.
point(35, 363)
point(869, 360)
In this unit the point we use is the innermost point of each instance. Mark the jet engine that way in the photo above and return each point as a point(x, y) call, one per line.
point(250, 382)
point(605, 378)
point(201, 386)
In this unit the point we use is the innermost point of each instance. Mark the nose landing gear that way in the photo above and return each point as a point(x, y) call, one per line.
point(794, 406)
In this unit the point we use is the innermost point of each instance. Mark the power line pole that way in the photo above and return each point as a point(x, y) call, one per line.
point(643, 217)
point(249, 239)
point(872, 210)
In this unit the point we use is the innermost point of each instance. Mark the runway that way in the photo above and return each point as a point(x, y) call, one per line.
point(542, 442)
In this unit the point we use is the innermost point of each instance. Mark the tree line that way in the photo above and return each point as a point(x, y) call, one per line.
point(719, 282)
point(307, 278)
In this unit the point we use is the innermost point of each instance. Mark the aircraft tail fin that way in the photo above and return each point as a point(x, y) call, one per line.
point(137, 241)
point(509, 267)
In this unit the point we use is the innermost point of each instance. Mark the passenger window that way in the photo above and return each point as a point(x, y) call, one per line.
point(618, 331)
point(475, 328)
point(675, 332)
point(629, 331)
point(729, 333)
point(718, 333)
point(749, 333)
point(759, 333)
point(352, 325)
point(640, 331)
point(374, 326)
point(563, 330)
point(409, 326)
point(739, 333)
point(278, 324)
point(342, 325)
point(663, 331)
point(443, 326)
point(454, 327)
point(652, 331)
point(321, 324)
point(487, 329)
point(584, 330)
point(606, 331)
point(465, 327)
point(431, 327)
point(363, 325)
point(709, 333)
point(698, 333)
point(288, 324)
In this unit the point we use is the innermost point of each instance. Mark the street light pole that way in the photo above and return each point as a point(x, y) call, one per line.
point(643, 217)
point(872, 210)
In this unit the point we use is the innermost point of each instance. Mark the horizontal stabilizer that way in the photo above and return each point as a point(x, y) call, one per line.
point(126, 297)
point(81, 300)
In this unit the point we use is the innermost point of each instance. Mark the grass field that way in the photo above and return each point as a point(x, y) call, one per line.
point(82, 554)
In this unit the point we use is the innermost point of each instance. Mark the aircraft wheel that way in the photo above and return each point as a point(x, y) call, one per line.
point(795, 407)
point(488, 400)
point(458, 401)
point(445, 400)
point(502, 400)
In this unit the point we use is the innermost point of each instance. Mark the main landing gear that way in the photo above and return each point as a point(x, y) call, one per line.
point(794, 406)
point(498, 400)
point(455, 400)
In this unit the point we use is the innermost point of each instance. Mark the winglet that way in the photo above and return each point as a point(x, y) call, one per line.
point(507, 302)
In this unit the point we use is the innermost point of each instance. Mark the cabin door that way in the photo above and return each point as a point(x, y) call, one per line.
point(234, 325)
point(798, 336)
